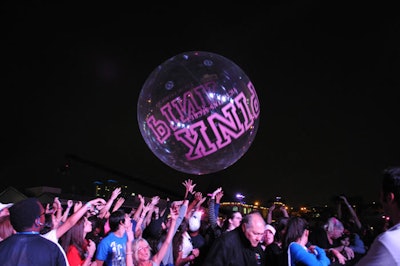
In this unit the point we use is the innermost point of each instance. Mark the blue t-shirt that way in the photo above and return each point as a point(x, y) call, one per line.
point(111, 250)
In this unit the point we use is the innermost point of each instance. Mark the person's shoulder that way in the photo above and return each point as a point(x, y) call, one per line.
point(231, 234)
point(6, 242)
point(40, 240)
point(274, 247)
point(390, 235)
point(295, 245)
point(51, 235)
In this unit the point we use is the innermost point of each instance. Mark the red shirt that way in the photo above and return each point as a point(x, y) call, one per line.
point(73, 256)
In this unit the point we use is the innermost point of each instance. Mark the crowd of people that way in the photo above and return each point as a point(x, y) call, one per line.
point(192, 231)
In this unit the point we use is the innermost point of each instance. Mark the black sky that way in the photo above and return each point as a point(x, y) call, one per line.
point(327, 77)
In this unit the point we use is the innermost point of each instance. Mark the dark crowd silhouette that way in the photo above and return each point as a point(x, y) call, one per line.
point(195, 230)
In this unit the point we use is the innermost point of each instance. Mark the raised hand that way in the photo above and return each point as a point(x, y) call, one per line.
point(188, 184)
point(115, 193)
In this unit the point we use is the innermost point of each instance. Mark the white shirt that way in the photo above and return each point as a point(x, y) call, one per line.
point(187, 246)
point(385, 249)
point(52, 236)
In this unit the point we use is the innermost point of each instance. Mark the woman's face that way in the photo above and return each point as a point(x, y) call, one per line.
point(268, 237)
point(345, 241)
point(143, 251)
point(87, 225)
point(236, 219)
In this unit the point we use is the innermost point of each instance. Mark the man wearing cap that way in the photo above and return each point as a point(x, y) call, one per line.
point(4, 209)
point(27, 246)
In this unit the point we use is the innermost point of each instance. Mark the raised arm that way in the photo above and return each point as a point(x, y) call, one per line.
point(195, 204)
point(105, 211)
point(157, 258)
point(212, 213)
point(189, 186)
point(57, 209)
point(73, 219)
point(153, 203)
point(65, 215)
point(140, 223)
point(120, 201)
point(269, 214)
point(138, 212)
point(352, 212)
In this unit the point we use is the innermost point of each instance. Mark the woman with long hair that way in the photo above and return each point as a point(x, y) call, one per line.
point(79, 250)
point(295, 243)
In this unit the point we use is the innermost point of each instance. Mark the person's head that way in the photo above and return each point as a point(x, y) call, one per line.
point(6, 228)
point(76, 236)
point(334, 228)
point(141, 250)
point(390, 192)
point(296, 231)
point(195, 221)
point(50, 222)
point(253, 226)
point(27, 215)
point(118, 218)
point(269, 234)
point(345, 240)
point(281, 229)
point(4, 209)
point(232, 221)
point(97, 225)
point(97, 232)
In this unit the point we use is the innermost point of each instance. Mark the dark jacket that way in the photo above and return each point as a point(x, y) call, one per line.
point(234, 249)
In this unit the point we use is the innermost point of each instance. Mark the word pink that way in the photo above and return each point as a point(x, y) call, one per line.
point(210, 131)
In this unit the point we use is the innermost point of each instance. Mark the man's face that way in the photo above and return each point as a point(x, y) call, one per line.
point(254, 233)
point(128, 221)
point(42, 217)
point(336, 233)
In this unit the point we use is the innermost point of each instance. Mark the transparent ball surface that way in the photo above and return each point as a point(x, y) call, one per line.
point(198, 112)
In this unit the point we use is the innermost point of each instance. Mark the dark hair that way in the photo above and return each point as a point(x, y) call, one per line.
point(294, 230)
point(24, 213)
point(48, 224)
point(97, 232)
point(281, 229)
point(230, 215)
point(115, 219)
point(391, 183)
point(75, 237)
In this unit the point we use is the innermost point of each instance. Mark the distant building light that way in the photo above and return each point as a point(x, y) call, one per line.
point(240, 196)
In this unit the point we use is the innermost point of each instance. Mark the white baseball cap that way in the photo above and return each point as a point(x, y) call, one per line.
point(7, 205)
point(270, 228)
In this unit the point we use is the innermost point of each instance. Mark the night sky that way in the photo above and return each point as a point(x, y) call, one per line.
point(327, 77)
